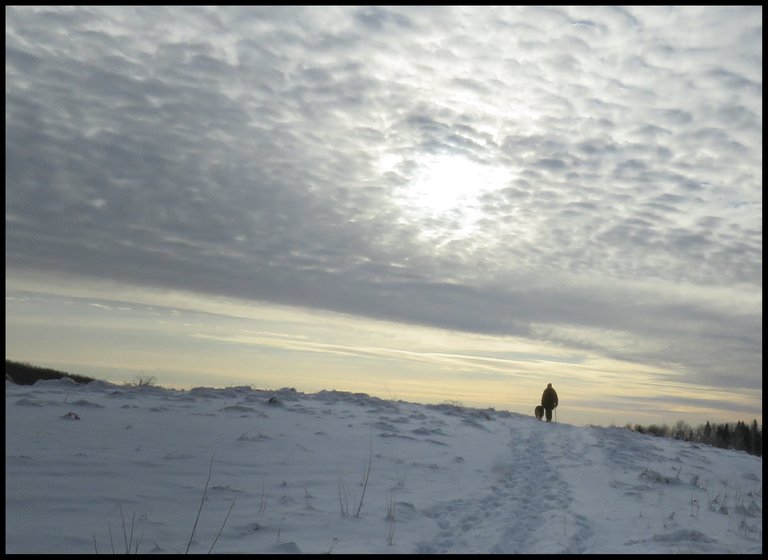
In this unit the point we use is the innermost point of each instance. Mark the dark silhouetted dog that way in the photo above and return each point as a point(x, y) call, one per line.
point(539, 412)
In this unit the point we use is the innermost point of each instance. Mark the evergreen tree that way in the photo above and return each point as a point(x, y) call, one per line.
point(723, 435)
point(756, 439)
point(744, 437)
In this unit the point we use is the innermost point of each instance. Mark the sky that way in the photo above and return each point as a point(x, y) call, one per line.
point(243, 471)
point(433, 203)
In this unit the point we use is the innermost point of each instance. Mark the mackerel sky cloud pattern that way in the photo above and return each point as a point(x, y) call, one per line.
point(289, 155)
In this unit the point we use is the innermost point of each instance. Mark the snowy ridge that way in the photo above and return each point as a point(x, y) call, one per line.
point(288, 475)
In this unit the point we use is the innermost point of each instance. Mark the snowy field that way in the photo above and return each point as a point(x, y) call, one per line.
point(103, 468)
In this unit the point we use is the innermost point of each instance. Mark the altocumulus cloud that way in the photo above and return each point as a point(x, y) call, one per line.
point(269, 153)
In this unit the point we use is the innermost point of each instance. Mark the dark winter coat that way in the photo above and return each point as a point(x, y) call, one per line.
point(549, 399)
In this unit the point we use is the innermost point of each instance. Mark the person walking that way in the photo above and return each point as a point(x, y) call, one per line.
point(549, 401)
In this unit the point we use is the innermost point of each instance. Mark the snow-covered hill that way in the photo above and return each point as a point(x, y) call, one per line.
point(102, 467)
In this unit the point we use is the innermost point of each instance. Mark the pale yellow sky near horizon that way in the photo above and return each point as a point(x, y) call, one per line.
point(186, 340)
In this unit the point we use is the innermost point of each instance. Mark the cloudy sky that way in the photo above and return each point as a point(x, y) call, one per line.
point(442, 203)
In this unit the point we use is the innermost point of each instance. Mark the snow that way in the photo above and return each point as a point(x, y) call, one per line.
point(102, 467)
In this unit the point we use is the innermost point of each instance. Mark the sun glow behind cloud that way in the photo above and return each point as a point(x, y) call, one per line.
point(442, 195)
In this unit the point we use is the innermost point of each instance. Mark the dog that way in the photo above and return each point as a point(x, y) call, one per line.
point(539, 412)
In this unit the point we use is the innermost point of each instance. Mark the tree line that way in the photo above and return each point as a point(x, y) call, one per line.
point(23, 373)
point(737, 435)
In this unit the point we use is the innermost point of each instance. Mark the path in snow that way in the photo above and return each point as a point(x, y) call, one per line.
point(528, 492)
